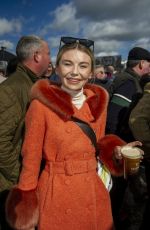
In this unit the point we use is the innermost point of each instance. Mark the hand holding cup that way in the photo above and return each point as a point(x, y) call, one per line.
point(132, 156)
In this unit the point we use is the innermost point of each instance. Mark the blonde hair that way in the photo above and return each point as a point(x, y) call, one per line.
point(77, 46)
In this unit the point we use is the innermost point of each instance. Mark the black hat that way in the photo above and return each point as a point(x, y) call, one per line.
point(138, 53)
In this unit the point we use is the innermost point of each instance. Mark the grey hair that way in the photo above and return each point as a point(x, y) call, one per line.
point(27, 45)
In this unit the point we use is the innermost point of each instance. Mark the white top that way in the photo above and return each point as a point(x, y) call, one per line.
point(78, 97)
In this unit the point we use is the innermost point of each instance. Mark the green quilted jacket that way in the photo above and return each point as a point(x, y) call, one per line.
point(140, 121)
point(14, 101)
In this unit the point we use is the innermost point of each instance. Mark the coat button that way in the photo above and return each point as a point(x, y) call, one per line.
point(68, 211)
point(67, 182)
point(85, 155)
point(68, 130)
point(87, 179)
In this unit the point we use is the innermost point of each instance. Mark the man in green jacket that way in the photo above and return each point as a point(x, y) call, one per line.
point(34, 57)
point(139, 122)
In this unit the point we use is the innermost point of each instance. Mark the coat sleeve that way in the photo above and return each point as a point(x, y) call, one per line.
point(23, 200)
point(106, 155)
point(32, 146)
point(139, 121)
point(22, 211)
point(10, 113)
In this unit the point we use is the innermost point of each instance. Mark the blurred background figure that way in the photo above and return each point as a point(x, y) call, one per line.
point(5, 57)
point(53, 76)
point(99, 72)
point(110, 72)
point(3, 67)
point(100, 75)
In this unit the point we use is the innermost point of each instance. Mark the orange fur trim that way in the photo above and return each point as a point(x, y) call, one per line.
point(99, 101)
point(53, 97)
point(59, 101)
point(106, 146)
point(22, 209)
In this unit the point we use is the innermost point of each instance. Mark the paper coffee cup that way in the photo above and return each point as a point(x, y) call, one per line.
point(131, 157)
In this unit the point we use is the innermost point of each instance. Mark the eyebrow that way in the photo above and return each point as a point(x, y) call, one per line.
point(84, 62)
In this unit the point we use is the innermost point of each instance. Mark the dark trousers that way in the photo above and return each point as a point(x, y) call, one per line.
point(146, 217)
point(129, 198)
point(3, 223)
point(117, 196)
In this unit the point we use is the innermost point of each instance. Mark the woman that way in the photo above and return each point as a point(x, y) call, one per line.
point(68, 192)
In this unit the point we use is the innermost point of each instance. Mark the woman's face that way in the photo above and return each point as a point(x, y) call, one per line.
point(74, 69)
point(100, 73)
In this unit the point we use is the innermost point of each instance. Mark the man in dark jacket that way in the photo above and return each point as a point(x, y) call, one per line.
point(34, 57)
point(139, 123)
point(125, 91)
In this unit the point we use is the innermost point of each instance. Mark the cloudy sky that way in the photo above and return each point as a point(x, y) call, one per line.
point(115, 25)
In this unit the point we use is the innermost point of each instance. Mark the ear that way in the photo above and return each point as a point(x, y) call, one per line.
point(36, 56)
point(141, 64)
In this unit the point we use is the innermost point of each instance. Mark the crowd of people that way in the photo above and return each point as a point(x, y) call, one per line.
point(125, 93)
point(61, 128)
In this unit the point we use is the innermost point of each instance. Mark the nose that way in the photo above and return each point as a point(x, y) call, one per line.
point(75, 69)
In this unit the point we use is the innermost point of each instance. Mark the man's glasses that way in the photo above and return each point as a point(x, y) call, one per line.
point(70, 40)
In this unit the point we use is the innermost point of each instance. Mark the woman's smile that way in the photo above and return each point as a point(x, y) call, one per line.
point(73, 80)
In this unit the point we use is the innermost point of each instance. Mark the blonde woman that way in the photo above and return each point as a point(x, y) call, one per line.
point(68, 194)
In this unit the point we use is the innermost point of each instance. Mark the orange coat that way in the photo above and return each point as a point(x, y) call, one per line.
point(71, 196)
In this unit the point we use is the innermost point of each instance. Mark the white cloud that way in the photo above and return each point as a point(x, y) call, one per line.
point(105, 29)
point(9, 45)
point(6, 26)
point(107, 47)
point(143, 42)
point(101, 54)
point(53, 42)
point(64, 20)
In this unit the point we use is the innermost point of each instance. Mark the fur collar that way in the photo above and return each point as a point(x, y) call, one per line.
point(50, 94)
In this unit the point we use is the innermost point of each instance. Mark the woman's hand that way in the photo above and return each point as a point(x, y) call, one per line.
point(117, 150)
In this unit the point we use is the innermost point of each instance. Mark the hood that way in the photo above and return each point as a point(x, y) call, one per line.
point(50, 94)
